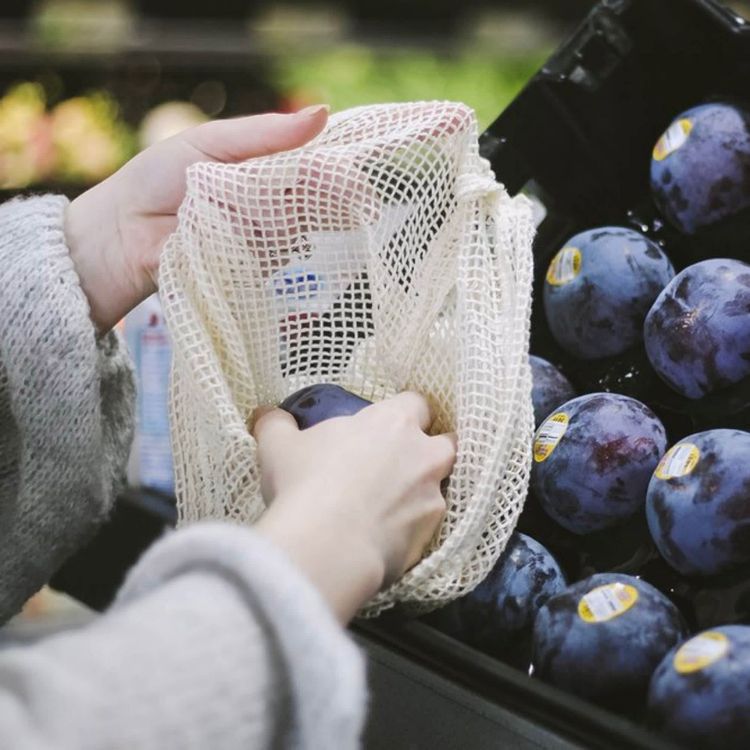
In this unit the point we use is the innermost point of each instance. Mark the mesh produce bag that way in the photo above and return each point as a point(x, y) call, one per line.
point(383, 256)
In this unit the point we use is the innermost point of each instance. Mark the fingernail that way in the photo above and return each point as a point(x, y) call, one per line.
point(313, 111)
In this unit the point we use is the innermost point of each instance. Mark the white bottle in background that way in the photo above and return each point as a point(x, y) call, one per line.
point(151, 349)
point(308, 286)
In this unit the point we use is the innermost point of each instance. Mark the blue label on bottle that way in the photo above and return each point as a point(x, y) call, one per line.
point(296, 285)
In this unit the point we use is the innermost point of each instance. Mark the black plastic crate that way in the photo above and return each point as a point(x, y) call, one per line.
point(430, 692)
point(580, 136)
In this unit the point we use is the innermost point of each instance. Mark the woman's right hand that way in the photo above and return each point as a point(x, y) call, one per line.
point(354, 501)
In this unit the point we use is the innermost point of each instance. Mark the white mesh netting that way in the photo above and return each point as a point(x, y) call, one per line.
point(382, 256)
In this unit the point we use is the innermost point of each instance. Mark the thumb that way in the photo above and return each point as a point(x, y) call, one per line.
point(260, 135)
point(273, 427)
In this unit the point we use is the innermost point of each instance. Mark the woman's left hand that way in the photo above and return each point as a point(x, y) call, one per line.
point(116, 230)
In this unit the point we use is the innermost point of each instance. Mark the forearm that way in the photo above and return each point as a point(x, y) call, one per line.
point(343, 570)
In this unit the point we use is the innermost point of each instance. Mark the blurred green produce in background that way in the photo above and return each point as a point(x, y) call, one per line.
point(80, 140)
point(349, 76)
point(90, 141)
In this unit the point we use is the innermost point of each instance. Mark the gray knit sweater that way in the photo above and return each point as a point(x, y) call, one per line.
point(215, 640)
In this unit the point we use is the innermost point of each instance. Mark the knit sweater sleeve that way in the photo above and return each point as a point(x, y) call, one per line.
point(215, 641)
point(66, 403)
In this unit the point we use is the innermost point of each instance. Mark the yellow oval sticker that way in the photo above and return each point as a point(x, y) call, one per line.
point(607, 602)
point(674, 137)
point(700, 652)
point(678, 461)
point(565, 266)
point(549, 435)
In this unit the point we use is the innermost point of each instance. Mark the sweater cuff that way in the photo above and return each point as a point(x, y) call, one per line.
point(67, 399)
point(54, 303)
point(324, 670)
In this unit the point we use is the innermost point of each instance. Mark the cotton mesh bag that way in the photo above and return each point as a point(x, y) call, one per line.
point(383, 256)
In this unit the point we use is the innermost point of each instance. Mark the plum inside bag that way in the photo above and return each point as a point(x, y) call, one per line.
point(382, 256)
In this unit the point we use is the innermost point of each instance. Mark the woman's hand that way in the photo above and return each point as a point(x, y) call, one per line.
point(116, 230)
point(355, 500)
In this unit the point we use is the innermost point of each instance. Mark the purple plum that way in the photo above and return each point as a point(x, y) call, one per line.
point(599, 288)
point(700, 693)
point(550, 388)
point(322, 401)
point(698, 503)
point(505, 603)
point(700, 166)
point(697, 333)
point(593, 458)
point(603, 637)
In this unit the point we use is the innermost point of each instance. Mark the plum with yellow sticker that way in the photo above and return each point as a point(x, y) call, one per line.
point(700, 693)
point(593, 458)
point(602, 637)
point(599, 287)
point(698, 503)
point(700, 164)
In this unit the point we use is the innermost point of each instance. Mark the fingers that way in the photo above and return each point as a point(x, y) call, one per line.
point(444, 448)
point(260, 135)
point(414, 406)
point(252, 420)
point(432, 514)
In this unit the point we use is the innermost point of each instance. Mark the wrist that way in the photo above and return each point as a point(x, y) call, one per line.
point(111, 285)
point(346, 570)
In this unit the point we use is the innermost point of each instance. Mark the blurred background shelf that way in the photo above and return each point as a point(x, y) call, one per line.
point(83, 83)
point(222, 74)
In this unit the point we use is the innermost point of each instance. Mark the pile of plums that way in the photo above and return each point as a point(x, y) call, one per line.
point(647, 520)
point(627, 581)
